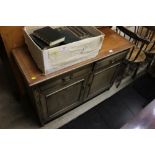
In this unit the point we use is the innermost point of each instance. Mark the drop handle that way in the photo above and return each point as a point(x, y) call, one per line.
point(66, 79)
point(112, 61)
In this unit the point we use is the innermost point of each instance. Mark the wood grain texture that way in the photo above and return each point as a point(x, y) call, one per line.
point(12, 37)
point(33, 75)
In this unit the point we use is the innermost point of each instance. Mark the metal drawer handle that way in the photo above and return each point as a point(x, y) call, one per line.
point(112, 61)
point(66, 79)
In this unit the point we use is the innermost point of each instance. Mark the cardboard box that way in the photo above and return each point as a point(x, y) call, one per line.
point(59, 57)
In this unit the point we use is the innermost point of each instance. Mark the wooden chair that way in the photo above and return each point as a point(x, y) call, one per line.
point(136, 55)
point(148, 32)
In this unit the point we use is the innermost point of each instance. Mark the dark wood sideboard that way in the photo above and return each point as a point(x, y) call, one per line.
point(63, 90)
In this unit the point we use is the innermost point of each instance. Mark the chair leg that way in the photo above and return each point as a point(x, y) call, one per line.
point(136, 70)
point(152, 61)
point(149, 66)
point(122, 71)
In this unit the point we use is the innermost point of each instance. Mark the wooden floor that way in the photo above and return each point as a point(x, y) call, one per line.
point(111, 114)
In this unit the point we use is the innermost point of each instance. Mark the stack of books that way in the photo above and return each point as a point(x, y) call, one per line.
point(48, 37)
point(79, 31)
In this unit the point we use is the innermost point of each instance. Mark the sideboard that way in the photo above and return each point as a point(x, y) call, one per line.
point(58, 92)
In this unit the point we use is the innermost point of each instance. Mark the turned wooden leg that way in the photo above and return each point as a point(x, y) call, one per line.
point(121, 74)
point(136, 70)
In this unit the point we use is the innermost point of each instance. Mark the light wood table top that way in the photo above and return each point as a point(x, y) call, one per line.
point(33, 75)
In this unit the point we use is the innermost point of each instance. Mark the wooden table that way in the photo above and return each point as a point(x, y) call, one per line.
point(61, 91)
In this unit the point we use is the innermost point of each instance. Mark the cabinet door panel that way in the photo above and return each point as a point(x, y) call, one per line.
point(63, 99)
point(102, 80)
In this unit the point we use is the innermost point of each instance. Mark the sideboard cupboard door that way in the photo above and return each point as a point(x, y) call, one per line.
point(63, 99)
point(102, 80)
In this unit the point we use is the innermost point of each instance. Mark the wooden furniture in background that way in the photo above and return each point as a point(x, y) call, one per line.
point(148, 32)
point(136, 56)
point(61, 91)
point(12, 37)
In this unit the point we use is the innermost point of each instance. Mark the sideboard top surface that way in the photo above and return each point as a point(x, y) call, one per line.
point(112, 42)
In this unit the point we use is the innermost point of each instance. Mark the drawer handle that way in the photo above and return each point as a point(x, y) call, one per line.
point(112, 61)
point(66, 79)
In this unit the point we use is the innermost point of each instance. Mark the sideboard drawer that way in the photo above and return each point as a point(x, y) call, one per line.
point(65, 78)
point(111, 60)
point(81, 71)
